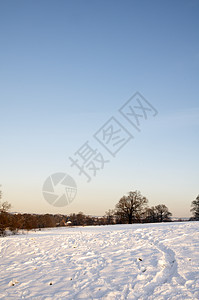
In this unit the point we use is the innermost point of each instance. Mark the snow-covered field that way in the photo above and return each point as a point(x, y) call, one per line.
point(140, 261)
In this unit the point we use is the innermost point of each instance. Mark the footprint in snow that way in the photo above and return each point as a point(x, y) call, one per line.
point(13, 282)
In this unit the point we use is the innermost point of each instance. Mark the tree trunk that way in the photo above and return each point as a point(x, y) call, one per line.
point(130, 218)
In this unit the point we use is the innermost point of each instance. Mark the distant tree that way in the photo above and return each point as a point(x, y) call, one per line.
point(78, 219)
point(162, 213)
point(13, 223)
point(195, 208)
point(130, 208)
point(28, 222)
point(158, 213)
point(151, 215)
point(90, 220)
point(109, 216)
point(4, 216)
point(49, 221)
point(4, 206)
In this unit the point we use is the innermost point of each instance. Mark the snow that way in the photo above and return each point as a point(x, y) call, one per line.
point(139, 261)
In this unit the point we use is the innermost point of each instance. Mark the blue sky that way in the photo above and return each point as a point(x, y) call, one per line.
point(66, 67)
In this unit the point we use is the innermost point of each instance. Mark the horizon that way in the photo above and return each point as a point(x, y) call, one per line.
point(98, 216)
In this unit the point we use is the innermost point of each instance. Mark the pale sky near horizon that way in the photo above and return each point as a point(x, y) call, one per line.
point(66, 67)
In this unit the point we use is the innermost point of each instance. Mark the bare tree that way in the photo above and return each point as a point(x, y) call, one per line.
point(4, 217)
point(195, 208)
point(131, 207)
point(158, 213)
point(4, 206)
point(151, 215)
point(109, 216)
point(162, 213)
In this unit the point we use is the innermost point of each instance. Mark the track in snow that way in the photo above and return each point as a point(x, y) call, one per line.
point(141, 261)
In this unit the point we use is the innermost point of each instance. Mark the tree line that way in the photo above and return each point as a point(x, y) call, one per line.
point(131, 208)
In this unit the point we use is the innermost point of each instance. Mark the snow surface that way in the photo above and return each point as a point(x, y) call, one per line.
point(139, 261)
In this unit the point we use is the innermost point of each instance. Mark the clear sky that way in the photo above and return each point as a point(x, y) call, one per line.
point(66, 67)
